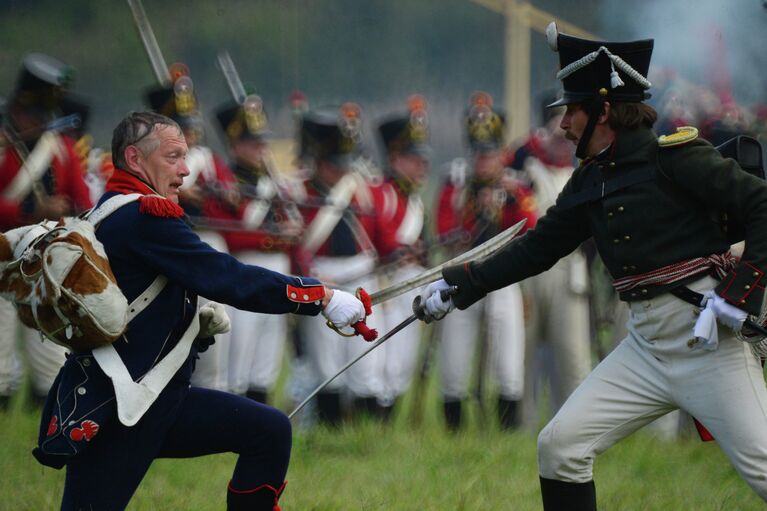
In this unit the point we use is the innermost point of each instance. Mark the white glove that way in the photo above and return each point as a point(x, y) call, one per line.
point(726, 314)
point(343, 309)
point(213, 320)
point(433, 306)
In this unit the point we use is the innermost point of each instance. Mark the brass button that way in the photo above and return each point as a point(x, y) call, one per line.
point(644, 291)
point(746, 287)
point(81, 391)
point(755, 274)
point(627, 237)
point(612, 164)
point(633, 295)
point(625, 268)
point(620, 208)
point(610, 214)
point(633, 268)
point(616, 241)
point(86, 362)
point(743, 301)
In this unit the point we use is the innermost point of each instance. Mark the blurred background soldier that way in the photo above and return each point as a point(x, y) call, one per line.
point(398, 202)
point(208, 195)
point(558, 329)
point(40, 178)
point(266, 228)
point(480, 200)
point(338, 214)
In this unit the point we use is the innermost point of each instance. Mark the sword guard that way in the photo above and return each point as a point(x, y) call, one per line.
point(360, 327)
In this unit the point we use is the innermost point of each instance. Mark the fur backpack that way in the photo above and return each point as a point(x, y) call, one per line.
point(57, 275)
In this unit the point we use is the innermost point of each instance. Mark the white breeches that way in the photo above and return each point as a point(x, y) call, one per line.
point(258, 340)
point(652, 372)
point(558, 322)
point(502, 314)
point(400, 353)
point(327, 350)
point(43, 357)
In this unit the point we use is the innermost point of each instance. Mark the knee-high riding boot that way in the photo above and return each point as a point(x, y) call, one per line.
point(562, 496)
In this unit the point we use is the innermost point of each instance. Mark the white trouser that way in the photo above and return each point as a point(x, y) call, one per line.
point(211, 370)
point(502, 314)
point(327, 350)
point(258, 340)
point(43, 357)
point(558, 322)
point(652, 372)
point(400, 353)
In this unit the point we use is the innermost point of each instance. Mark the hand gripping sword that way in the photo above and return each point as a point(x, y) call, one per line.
point(494, 244)
point(487, 248)
point(418, 313)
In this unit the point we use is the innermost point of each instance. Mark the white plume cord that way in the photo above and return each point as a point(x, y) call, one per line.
point(615, 60)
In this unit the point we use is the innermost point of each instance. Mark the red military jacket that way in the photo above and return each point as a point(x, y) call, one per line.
point(400, 218)
point(64, 177)
point(353, 234)
point(470, 212)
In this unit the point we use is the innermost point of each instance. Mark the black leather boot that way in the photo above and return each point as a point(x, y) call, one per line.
point(257, 395)
point(452, 411)
point(262, 498)
point(508, 413)
point(365, 406)
point(329, 408)
point(562, 496)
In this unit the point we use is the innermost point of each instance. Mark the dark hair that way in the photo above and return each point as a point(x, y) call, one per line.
point(631, 116)
point(135, 129)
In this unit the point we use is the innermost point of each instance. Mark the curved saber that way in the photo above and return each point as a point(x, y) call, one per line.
point(376, 344)
point(497, 242)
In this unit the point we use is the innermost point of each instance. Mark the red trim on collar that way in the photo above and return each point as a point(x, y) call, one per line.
point(152, 203)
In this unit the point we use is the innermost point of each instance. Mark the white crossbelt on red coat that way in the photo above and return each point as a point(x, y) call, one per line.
point(721, 264)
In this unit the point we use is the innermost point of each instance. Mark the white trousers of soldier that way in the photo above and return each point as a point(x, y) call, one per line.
point(400, 353)
point(212, 369)
point(502, 314)
point(258, 340)
point(328, 352)
point(44, 358)
point(652, 372)
point(558, 332)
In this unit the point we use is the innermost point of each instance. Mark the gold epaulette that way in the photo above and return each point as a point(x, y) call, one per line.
point(682, 136)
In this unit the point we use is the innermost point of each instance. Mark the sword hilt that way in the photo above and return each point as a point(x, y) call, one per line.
point(419, 308)
point(360, 327)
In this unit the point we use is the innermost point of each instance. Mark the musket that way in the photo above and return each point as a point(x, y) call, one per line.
point(156, 60)
point(239, 94)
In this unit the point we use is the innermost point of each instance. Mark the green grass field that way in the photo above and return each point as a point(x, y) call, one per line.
point(402, 466)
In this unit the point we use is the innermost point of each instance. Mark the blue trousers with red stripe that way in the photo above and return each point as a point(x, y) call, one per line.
point(183, 423)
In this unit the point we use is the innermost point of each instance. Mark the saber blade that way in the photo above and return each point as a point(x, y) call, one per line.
point(150, 42)
point(490, 246)
point(376, 344)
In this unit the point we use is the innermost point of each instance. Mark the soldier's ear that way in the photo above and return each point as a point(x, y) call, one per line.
point(604, 115)
point(132, 158)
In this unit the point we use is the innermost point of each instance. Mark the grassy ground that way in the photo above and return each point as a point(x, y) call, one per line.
point(369, 466)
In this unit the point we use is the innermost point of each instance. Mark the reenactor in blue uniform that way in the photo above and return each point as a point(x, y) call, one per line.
point(107, 433)
point(648, 204)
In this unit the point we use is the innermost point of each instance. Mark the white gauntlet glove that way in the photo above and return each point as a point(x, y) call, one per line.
point(213, 320)
point(344, 309)
point(434, 307)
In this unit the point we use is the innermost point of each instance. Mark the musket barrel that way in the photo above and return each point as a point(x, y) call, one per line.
point(156, 59)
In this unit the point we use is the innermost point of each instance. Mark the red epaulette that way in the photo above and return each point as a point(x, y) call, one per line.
point(159, 206)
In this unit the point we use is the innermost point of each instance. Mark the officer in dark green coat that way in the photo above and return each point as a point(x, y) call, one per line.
point(654, 207)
